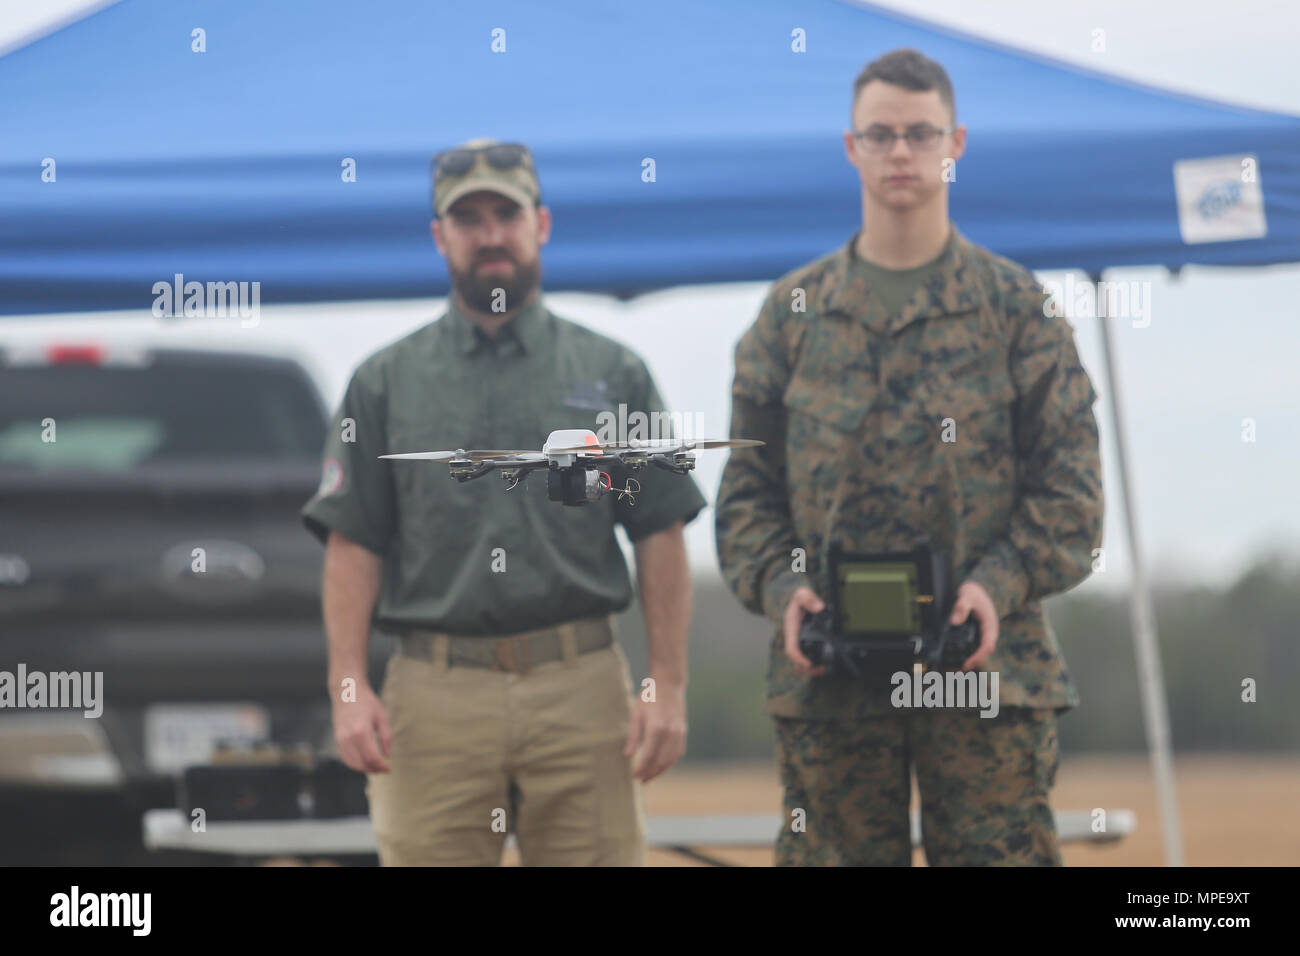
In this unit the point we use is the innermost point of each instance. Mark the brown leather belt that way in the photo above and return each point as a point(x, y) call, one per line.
point(516, 653)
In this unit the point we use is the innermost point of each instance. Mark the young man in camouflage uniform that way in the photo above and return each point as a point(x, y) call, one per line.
point(910, 385)
point(507, 705)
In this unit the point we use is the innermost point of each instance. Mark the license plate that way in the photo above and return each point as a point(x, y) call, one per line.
point(179, 735)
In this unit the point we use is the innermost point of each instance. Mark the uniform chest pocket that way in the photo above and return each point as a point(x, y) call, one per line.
point(975, 400)
point(823, 425)
point(818, 404)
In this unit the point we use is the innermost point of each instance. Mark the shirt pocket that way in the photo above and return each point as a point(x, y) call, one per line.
point(561, 406)
point(434, 510)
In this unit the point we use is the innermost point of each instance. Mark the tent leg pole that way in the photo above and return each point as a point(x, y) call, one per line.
point(1155, 710)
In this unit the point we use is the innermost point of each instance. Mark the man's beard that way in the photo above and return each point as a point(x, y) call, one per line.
point(480, 292)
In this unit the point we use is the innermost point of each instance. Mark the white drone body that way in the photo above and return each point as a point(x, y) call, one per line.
point(568, 438)
point(573, 459)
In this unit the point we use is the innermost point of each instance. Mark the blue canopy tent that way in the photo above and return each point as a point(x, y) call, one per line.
point(226, 165)
point(211, 139)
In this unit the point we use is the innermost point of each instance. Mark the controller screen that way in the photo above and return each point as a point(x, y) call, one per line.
point(879, 598)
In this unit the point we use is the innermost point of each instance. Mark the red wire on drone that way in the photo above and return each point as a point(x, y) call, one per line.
point(609, 482)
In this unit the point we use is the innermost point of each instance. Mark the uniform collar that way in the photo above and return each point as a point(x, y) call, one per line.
point(947, 291)
point(524, 330)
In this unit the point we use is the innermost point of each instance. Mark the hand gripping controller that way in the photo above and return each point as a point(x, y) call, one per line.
point(947, 650)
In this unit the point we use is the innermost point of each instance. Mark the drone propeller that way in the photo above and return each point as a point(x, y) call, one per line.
point(477, 454)
point(657, 444)
point(706, 443)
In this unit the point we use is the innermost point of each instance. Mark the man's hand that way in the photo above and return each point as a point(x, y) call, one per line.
point(804, 600)
point(664, 580)
point(349, 589)
point(361, 731)
point(973, 599)
point(661, 726)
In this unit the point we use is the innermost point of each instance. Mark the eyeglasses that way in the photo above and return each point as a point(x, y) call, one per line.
point(459, 161)
point(881, 139)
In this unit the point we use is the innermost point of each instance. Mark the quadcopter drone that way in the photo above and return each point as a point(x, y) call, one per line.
point(573, 459)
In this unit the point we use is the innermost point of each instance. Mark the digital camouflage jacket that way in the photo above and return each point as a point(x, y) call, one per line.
point(966, 418)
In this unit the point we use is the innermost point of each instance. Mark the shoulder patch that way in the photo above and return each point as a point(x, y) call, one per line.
point(331, 478)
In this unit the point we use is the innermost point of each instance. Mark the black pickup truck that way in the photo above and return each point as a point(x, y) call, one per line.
point(149, 531)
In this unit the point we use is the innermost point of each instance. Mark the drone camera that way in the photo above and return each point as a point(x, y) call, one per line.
point(574, 486)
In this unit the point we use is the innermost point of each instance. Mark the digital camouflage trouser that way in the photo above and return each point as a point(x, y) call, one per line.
point(984, 786)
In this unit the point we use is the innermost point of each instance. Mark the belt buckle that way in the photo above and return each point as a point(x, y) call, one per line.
point(511, 654)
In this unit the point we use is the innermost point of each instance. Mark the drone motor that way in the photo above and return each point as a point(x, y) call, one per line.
point(461, 467)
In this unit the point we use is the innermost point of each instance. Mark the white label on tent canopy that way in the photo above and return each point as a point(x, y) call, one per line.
point(1219, 199)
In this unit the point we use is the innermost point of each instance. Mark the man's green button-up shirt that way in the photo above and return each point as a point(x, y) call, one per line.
point(473, 558)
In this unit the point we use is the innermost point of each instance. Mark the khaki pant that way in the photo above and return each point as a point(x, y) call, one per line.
point(479, 752)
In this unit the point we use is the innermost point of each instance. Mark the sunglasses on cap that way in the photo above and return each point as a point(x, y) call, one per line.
point(459, 161)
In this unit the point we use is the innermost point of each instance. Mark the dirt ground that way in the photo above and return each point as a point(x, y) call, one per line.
point(1236, 811)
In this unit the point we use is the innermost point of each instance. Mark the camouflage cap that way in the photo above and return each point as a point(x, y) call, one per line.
point(505, 168)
